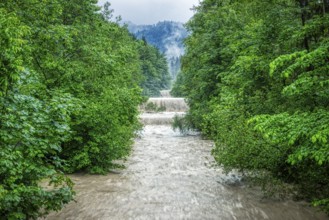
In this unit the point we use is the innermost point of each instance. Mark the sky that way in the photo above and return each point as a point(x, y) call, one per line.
point(152, 11)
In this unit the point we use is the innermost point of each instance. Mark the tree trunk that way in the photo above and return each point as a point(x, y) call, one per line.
point(303, 6)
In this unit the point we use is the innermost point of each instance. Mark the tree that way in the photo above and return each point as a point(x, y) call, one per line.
point(69, 100)
point(255, 76)
point(13, 45)
point(154, 69)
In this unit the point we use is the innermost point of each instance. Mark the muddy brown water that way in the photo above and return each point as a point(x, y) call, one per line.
point(171, 176)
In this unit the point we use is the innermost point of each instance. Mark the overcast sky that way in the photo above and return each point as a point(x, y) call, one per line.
point(152, 11)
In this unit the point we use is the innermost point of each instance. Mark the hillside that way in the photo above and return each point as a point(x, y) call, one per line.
point(168, 36)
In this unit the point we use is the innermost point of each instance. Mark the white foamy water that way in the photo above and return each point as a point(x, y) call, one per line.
point(172, 176)
point(162, 118)
point(168, 104)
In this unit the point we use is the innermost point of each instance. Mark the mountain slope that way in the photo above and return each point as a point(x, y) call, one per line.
point(168, 36)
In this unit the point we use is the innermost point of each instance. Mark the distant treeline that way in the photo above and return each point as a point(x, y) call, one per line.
point(256, 77)
point(70, 85)
point(168, 37)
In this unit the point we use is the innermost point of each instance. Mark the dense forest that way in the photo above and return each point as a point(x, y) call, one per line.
point(70, 85)
point(162, 34)
point(167, 36)
point(155, 71)
point(256, 77)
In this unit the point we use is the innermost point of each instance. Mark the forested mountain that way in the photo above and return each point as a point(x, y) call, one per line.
point(154, 68)
point(168, 36)
point(70, 86)
point(256, 77)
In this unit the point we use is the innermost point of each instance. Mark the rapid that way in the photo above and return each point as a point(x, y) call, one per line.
point(173, 176)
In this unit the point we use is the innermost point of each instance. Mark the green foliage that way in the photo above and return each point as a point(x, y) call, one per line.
point(178, 87)
point(32, 131)
point(152, 107)
point(182, 124)
point(154, 69)
point(256, 78)
point(96, 61)
point(103, 72)
point(162, 33)
point(12, 46)
point(69, 94)
point(167, 36)
point(305, 134)
point(104, 134)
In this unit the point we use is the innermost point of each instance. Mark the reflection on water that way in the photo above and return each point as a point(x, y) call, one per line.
point(170, 176)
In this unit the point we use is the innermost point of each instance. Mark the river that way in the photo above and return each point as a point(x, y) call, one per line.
point(173, 176)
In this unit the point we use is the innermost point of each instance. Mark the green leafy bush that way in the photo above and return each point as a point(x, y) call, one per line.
point(69, 97)
point(31, 133)
point(182, 123)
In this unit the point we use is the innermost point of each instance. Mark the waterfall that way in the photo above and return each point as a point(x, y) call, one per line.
point(162, 110)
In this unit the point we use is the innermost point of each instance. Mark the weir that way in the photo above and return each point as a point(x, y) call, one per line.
point(169, 104)
point(172, 176)
point(161, 118)
point(161, 111)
